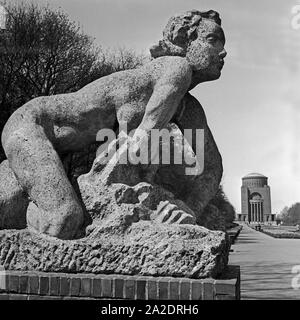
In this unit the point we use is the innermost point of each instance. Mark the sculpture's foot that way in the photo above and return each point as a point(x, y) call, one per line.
point(168, 212)
point(65, 223)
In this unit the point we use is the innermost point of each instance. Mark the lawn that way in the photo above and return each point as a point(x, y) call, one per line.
point(288, 232)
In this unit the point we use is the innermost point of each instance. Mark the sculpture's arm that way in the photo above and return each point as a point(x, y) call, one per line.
point(167, 94)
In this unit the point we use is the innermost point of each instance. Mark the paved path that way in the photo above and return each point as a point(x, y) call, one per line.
point(266, 265)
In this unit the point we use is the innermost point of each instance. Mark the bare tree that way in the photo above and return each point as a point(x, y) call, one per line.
point(43, 53)
point(122, 58)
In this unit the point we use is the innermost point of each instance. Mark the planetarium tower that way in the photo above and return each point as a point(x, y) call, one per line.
point(256, 199)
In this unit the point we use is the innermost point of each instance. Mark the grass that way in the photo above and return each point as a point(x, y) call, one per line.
point(283, 232)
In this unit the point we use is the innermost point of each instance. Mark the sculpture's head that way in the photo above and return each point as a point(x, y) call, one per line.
point(198, 36)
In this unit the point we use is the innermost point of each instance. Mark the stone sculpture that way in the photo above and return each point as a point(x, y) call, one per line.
point(144, 217)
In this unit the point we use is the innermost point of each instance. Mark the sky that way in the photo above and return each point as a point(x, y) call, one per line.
point(253, 110)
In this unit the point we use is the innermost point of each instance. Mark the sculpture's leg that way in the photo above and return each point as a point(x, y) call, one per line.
point(204, 187)
point(55, 209)
point(13, 200)
point(195, 191)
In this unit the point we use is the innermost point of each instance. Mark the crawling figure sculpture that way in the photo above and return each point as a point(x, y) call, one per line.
point(150, 97)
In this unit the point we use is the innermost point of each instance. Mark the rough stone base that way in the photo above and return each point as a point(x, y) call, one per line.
point(141, 248)
point(16, 285)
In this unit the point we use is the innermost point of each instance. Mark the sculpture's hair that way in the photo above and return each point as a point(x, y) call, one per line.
point(180, 31)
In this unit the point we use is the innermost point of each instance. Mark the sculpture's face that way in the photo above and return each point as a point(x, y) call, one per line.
point(206, 54)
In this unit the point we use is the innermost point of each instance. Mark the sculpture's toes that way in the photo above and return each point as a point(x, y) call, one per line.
point(171, 213)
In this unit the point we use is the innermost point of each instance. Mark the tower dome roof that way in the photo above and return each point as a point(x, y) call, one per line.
point(254, 175)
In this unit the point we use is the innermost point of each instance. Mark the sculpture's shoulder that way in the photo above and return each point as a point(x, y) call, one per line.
point(172, 69)
point(192, 111)
point(189, 98)
point(194, 106)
